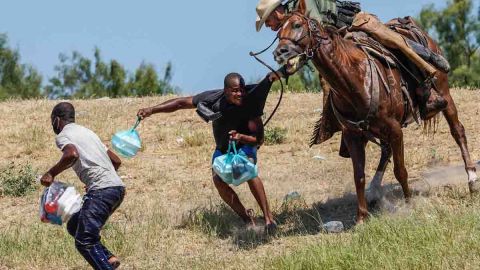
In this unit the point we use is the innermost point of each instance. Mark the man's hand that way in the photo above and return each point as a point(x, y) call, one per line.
point(144, 113)
point(47, 179)
point(235, 136)
point(272, 76)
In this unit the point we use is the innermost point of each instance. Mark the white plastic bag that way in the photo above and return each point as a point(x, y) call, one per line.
point(58, 203)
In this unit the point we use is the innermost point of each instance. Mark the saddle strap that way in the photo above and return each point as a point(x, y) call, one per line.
point(364, 125)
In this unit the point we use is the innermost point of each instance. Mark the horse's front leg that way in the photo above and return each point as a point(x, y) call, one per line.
point(355, 143)
point(375, 190)
point(396, 142)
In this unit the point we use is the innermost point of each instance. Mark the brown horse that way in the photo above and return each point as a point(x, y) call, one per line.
point(364, 106)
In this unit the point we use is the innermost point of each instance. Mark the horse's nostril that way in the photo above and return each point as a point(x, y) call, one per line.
point(284, 50)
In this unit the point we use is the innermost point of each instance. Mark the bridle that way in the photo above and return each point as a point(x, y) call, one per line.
point(313, 33)
point(309, 53)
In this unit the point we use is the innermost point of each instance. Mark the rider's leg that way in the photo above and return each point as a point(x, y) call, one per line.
point(373, 26)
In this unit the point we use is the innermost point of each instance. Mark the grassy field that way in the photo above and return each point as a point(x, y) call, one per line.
point(173, 218)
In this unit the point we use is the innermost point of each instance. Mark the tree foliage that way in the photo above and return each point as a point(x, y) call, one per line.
point(78, 76)
point(304, 80)
point(16, 79)
point(457, 29)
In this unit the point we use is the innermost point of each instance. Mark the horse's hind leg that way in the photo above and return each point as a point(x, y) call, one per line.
point(356, 147)
point(458, 132)
point(375, 190)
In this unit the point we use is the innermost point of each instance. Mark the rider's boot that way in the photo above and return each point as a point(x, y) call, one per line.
point(430, 103)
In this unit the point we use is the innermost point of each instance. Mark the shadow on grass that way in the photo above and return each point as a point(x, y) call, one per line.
point(294, 217)
point(220, 221)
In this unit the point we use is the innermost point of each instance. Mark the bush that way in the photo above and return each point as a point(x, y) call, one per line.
point(275, 135)
point(17, 181)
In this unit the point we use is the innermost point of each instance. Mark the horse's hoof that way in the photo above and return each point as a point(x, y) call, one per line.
point(474, 186)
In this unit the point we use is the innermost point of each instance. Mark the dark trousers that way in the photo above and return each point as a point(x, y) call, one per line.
point(85, 225)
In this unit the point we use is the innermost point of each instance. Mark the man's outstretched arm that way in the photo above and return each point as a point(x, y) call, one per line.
point(168, 106)
point(69, 157)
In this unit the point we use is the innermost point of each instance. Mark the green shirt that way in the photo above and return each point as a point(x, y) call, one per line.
point(319, 10)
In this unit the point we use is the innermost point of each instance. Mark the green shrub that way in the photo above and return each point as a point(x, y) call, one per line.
point(275, 135)
point(17, 181)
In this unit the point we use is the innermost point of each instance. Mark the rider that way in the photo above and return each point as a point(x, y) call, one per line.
point(273, 13)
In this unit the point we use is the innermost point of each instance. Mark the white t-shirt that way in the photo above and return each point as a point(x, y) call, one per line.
point(93, 167)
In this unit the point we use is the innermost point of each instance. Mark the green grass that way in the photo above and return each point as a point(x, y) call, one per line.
point(47, 246)
point(433, 237)
point(17, 180)
point(275, 135)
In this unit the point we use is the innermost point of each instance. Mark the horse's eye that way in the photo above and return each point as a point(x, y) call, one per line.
point(297, 25)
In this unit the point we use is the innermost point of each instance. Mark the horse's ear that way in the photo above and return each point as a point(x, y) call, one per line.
point(301, 7)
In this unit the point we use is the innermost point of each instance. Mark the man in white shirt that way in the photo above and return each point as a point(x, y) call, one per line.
point(96, 167)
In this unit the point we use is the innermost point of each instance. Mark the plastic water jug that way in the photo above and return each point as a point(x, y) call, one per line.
point(127, 142)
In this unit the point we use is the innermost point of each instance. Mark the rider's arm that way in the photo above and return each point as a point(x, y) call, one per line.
point(171, 105)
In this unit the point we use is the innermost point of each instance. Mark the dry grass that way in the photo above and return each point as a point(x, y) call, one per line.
point(172, 217)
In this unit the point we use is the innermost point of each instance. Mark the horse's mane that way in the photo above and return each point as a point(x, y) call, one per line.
point(344, 50)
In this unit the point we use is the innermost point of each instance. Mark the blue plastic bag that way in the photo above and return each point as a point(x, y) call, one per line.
point(127, 142)
point(234, 167)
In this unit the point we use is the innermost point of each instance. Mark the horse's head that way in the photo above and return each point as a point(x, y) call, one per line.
point(294, 39)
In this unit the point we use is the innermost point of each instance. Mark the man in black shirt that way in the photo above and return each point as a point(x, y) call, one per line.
point(235, 112)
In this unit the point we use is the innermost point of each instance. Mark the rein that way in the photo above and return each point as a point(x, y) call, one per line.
point(255, 55)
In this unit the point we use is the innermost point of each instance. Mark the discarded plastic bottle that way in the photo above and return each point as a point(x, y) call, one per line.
point(333, 227)
point(292, 196)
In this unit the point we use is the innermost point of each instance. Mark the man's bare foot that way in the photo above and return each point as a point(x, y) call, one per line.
point(270, 228)
point(114, 262)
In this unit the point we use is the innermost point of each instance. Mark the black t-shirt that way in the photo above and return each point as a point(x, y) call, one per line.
point(234, 117)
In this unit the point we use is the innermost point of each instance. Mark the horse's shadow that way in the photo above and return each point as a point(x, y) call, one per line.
point(294, 217)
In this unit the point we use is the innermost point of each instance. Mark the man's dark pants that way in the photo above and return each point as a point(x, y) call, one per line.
point(85, 225)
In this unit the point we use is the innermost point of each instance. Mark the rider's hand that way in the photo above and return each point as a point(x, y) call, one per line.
point(235, 136)
point(144, 113)
point(47, 179)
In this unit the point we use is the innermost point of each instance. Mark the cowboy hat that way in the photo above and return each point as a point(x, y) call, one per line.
point(264, 8)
